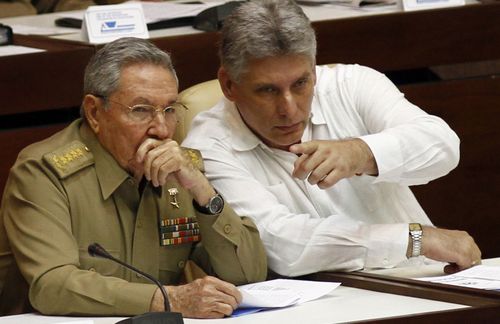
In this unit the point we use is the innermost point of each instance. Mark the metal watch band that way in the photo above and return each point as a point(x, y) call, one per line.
point(416, 238)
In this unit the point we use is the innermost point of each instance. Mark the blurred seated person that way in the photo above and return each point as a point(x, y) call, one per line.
point(116, 177)
point(12, 8)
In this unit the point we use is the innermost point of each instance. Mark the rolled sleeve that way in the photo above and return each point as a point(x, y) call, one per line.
point(387, 153)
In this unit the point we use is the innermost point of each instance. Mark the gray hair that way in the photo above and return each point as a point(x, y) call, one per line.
point(102, 74)
point(265, 28)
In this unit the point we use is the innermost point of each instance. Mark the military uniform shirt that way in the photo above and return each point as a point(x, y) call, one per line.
point(67, 192)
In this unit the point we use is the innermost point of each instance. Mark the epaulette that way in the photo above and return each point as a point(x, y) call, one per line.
point(69, 159)
point(195, 157)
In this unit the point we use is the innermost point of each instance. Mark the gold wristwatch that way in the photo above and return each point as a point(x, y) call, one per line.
point(416, 239)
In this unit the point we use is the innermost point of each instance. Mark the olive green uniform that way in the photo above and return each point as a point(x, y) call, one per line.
point(66, 192)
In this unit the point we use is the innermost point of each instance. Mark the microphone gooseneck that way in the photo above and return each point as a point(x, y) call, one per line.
point(96, 250)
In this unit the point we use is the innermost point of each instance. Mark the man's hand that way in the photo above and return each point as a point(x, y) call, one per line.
point(456, 247)
point(326, 162)
point(208, 297)
point(161, 159)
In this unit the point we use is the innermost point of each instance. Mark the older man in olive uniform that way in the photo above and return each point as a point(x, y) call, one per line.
point(116, 177)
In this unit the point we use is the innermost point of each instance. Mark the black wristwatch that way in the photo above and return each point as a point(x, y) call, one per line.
point(214, 207)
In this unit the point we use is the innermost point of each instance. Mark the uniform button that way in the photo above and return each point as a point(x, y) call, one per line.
point(139, 224)
point(227, 228)
point(131, 181)
point(181, 264)
point(86, 149)
point(92, 269)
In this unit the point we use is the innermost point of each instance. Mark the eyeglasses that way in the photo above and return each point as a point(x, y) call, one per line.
point(143, 113)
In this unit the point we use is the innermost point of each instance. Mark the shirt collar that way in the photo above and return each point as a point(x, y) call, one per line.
point(317, 117)
point(110, 174)
point(243, 139)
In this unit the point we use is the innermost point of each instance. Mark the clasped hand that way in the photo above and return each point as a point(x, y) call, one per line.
point(325, 162)
point(157, 160)
point(208, 297)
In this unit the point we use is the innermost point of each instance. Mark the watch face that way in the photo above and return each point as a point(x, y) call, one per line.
point(415, 227)
point(216, 204)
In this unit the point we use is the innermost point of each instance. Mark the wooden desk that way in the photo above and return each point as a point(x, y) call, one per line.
point(485, 304)
point(43, 81)
point(407, 40)
point(33, 84)
point(344, 304)
point(387, 41)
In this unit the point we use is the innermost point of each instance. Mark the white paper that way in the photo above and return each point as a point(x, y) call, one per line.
point(158, 11)
point(76, 322)
point(283, 292)
point(106, 23)
point(37, 30)
point(481, 277)
point(412, 5)
point(7, 50)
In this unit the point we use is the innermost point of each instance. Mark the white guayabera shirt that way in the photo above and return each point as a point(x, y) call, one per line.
point(361, 222)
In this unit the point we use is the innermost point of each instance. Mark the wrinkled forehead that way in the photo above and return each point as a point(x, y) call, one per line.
point(278, 69)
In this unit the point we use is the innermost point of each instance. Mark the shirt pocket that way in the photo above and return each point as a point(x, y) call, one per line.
point(368, 192)
point(283, 196)
point(100, 265)
point(172, 261)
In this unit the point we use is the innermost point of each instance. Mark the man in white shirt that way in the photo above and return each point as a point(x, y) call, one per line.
point(321, 157)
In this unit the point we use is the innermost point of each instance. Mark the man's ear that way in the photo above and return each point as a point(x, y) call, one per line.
point(90, 108)
point(225, 83)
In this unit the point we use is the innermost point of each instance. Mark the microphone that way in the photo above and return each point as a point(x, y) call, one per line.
point(167, 317)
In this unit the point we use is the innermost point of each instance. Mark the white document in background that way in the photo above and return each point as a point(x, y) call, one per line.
point(158, 11)
point(38, 30)
point(283, 292)
point(481, 277)
point(7, 50)
point(412, 5)
point(106, 23)
point(163, 10)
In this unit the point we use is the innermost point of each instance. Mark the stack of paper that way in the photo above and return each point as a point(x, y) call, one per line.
point(280, 293)
point(481, 277)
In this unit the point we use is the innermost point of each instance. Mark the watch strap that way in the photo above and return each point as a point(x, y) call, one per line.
point(214, 206)
point(416, 238)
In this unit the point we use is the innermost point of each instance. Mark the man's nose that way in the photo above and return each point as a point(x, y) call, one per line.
point(160, 127)
point(287, 105)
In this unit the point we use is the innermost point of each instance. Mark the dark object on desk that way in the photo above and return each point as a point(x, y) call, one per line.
point(153, 318)
point(211, 19)
point(166, 317)
point(176, 22)
point(5, 35)
point(68, 22)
